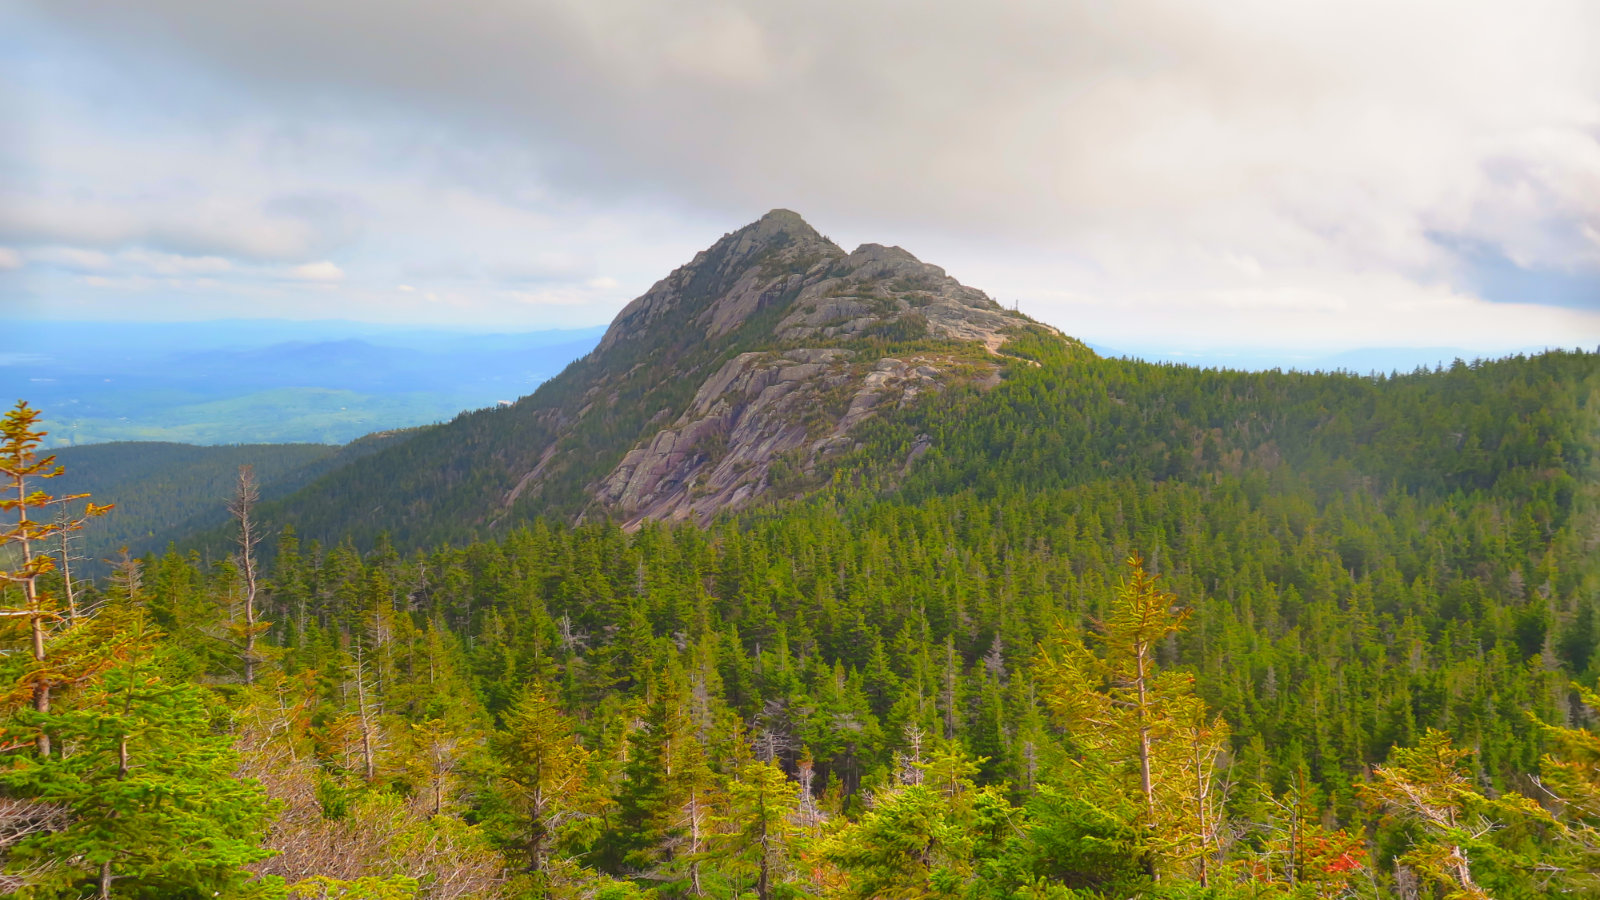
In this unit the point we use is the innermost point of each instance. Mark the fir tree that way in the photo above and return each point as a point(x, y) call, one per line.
point(543, 773)
point(758, 844)
point(153, 807)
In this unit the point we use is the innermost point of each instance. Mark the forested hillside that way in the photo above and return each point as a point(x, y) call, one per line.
point(747, 367)
point(1030, 624)
point(168, 492)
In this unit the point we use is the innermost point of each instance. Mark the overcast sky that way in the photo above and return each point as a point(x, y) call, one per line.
point(1249, 173)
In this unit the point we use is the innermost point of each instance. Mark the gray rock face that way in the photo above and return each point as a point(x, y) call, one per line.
point(878, 286)
point(798, 406)
point(764, 420)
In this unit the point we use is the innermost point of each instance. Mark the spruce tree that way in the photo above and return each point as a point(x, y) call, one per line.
point(1145, 740)
point(542, 773)
point(757, 847)
point(1458, 838)
point(153, 808)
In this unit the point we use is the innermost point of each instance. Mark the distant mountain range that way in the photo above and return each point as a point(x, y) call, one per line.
point(246, 382)
point(330, 382)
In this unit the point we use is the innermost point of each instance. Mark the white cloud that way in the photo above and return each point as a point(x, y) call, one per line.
point(722, 45)
point(317, 271)
point(128, 262)
point(554, 297)
point(110, 219)
point(405, 289)
point(76, 258)
point(9, 259)
point(1280, 172)
point(175, 263)
point(542, 266)
point(1279, 310)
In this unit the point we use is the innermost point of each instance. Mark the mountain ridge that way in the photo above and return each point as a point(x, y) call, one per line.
point(732, 380)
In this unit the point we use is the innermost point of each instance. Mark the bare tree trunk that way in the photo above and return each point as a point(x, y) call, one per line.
point(438, 795)
point(950, 689)
point(66, 568)
point(364, 712)
point(1202, 803)
point(122, 775)
point(696, 815)
point(1145, 785)
point(537, 830)
point(41, 688)
point(1141, 679)
point(764, 878)
point(1294, 830)
point(245, 494)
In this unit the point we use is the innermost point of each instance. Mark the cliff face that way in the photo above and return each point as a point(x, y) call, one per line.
point(768, 416)
point(761, 411)
point(736, 378)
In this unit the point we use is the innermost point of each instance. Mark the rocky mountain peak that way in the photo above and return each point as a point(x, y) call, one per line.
point(774, 233)
point(768, 417)
point(784, 221)
point(744, 376)
point(788, 343)
point(724, 284)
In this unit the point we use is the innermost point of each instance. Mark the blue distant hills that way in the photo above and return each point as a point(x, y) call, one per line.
point(245, 381)
point(329, 382)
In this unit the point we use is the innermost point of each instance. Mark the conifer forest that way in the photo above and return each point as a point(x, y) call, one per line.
point(1110, 665)
point(1052, 626)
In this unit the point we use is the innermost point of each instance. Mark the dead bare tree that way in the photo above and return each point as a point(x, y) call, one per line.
point(806, 813)
point(366, 716)
point(69, 592)
point(127, 576)
point(909, 765)
point(442, 749)
point(18, 820)
point(377, 836)
point(246, 493)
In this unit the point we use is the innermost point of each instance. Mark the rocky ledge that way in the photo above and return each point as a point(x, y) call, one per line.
point(763, 420)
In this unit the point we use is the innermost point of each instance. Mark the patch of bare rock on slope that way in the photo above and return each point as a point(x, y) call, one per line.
point(812, 322)
point(795, 407)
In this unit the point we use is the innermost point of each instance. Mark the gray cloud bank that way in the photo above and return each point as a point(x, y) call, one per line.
point(1286, 163)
